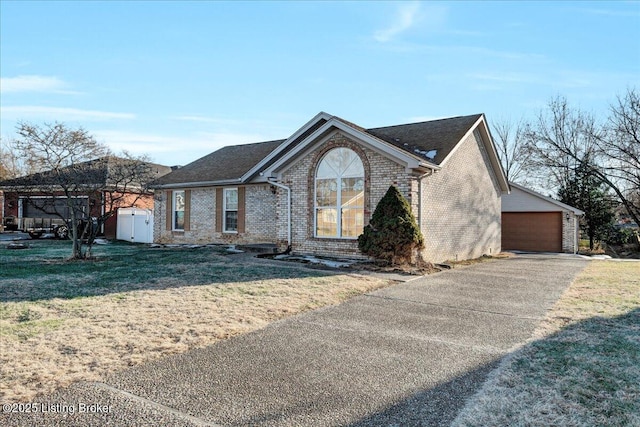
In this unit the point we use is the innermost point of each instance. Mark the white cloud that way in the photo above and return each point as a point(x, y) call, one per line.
point(61, 114)
point(171, 149)
point(34, 83)
point(405, 18)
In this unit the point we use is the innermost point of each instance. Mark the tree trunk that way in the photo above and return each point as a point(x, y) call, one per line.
point(76, 238)
point(88, 232)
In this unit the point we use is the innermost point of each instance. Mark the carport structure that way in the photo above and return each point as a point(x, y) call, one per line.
point(536, 223)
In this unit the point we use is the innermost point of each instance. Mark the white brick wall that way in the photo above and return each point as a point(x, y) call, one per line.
point(570, 235)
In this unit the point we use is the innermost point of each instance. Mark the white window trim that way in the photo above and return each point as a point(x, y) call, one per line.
point(173, 209)
point(224, 210)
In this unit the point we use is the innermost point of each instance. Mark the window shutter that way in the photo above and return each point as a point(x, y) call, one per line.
point(187, 210)
point(241, 209)
point(169, 205)
point(218, 210)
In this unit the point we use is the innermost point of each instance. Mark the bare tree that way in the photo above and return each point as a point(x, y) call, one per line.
point(81, 172)
point(560, 140)
point(620, 148)
point(511, 148)
point(563, 140)
point(11, 165)
point(63, 153)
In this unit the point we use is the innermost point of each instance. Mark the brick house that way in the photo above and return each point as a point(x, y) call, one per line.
point(317, 189)
point(103, 185)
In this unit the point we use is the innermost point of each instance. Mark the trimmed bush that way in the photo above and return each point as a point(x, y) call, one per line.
point(393, 234)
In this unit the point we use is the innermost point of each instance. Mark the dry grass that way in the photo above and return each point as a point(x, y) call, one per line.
point(61, 323)
point(583, 368)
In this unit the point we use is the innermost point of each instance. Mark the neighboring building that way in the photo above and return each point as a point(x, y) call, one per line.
point(536, 223)
point(1, 211)
point(29, 205)
point(317, 189)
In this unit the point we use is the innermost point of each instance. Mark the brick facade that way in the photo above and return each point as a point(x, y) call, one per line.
point(458, 207)
point(460, 216)
point(570, 232)
point(380, 173)
point(260, 218)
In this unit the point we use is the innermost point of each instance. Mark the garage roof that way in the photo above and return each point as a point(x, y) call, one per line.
point(527, 200)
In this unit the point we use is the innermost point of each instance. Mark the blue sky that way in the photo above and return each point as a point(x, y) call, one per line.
point(178, 80)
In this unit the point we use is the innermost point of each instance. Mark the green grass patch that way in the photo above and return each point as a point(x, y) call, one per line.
point(43, 272)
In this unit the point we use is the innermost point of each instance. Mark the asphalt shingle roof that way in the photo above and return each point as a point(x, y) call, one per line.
point(440, 136)
point(226, 164)
point(93, 172)
point(432, 140)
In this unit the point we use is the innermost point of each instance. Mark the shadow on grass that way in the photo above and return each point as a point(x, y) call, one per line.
point(593, 365)
point(42, 271)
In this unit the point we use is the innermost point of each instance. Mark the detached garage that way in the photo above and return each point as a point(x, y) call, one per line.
point(535, 223)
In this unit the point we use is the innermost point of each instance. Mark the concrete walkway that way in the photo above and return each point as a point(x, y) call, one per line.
point(405, 355)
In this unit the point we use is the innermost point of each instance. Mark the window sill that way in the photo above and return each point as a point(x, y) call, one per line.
point(339, 239)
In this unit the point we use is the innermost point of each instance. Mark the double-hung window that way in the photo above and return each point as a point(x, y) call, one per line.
point(178, 210)
point(230, 210)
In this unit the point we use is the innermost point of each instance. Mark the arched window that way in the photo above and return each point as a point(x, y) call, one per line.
point(339, 201)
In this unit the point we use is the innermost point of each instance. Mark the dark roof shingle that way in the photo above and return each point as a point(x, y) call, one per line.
point(431, 140)
point(226, 164)
point(440, 136)
point(93, 172)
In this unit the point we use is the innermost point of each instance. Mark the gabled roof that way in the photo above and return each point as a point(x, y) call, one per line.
point(335, 124)
point(425, 145)
point(534, 194)
point(93, 172)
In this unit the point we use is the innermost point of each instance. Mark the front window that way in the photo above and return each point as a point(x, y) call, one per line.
point(230, 210)
point(178, 210)
point(339, 201)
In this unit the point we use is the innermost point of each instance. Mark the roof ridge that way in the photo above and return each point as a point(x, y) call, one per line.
point(250, 143)
point(427, 121)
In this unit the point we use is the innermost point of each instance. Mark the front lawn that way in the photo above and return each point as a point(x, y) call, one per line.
point(583, 368)
point(67, 321)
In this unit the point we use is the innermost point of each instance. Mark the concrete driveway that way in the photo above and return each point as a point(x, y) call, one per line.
point(406, 355)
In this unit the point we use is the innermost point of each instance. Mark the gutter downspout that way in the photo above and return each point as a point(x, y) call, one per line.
point(272, 181)
point(420, 201)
